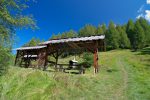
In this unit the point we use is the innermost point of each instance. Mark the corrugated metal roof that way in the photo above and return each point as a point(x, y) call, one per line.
point(75, 39)
point(30, 48)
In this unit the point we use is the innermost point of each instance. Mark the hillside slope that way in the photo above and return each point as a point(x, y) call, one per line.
point(123, 75)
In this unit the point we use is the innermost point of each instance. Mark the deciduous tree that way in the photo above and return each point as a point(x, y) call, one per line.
point(11, 18)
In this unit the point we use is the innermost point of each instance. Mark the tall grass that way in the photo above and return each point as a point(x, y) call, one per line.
point(123, 76)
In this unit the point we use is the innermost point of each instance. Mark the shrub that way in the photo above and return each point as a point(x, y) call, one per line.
point(5, 58)
point(88, 59)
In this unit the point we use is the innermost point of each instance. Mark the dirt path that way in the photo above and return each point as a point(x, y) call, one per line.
point(122, 91)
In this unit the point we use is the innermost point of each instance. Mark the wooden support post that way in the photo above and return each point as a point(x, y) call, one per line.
point(46, 59)
point(56, 58)
point(16, 59)
point(21, 55)
point(38, 59)
point(26, 61)
point(42, 58)
point(96, 60)
point(96, 57)
point(104, 45)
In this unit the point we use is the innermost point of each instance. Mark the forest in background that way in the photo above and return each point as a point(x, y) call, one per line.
point(132, 35)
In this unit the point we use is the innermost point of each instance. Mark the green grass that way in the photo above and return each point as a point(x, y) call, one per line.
point(124, 75)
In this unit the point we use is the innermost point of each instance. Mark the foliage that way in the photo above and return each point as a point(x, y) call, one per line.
point(88, 59)
point(146, 28)
point(124, 41)
point(130, 30)
point(99, 30)
point(67, 34)
point(112, 36)
point(138, 36)
point(87, 30)
point(133, 35)
point(32, 42)
point(5, 58)
point(104, 28)
point(12, 18)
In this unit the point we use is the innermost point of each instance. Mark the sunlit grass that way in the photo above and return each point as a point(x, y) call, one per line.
point(123, 75)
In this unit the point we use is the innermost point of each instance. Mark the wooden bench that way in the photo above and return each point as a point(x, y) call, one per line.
point(61, 67)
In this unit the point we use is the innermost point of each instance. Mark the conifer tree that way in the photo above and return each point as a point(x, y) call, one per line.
point(130, 31)
point(99, 30)
point(112, 36)
point(87, 30)
point(124, 41)
point(138, 37)
point(146, 27)
point(104, 28)
point(32, 42)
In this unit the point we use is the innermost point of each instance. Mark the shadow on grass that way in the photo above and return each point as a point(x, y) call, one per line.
point(145, 51)
point(112, 70)
point(72, 72)
point(147, 66)
point(50, 70)
point(62, 71)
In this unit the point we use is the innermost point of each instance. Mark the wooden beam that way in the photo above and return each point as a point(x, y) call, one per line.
point(73, 45)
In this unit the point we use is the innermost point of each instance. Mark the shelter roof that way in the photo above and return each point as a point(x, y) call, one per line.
point(78, 39)
point(31, 48)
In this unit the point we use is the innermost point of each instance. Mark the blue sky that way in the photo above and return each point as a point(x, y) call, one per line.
point(55, 16)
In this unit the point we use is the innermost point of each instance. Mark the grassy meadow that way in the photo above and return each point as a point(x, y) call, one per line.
point(124, 75)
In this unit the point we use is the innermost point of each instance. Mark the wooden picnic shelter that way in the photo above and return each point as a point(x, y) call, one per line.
point(56, 47)
point(26, 54)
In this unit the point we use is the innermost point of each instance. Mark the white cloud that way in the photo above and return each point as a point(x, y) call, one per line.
point(139, 16)
point(147, 15)
point(148, 1)
point(142, 12)
point(141, 9)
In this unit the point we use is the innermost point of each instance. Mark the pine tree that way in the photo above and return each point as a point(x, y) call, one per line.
point(146, 27)
point(138, 37)
point(71, 34)
point(53, 36)
point(104, 28)
point(112, 36)
point(56, 36)
point(130, 31)
point(99, 30)
point(32, 42)
point(87, 30)
point(124, 41)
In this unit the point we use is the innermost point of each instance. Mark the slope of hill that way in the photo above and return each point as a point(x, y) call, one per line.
point(124, 75)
